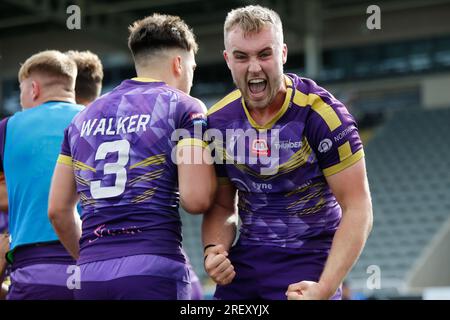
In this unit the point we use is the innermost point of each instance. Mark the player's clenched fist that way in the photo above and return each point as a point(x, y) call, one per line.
point(307, 290)
point(218, 266)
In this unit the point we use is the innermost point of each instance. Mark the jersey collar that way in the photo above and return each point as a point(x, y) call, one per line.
point(143, 79)
point(279, 114)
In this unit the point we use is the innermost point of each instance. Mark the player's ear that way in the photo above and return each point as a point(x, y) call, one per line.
point(227, 58)
point(177, 66)
point(35, 90)
point(284, 53)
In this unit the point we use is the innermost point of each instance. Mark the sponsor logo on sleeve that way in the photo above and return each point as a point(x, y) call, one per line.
point(325, 145)
point(198, 118)
point(343, 133)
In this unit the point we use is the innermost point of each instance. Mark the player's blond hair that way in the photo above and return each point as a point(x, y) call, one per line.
point(90, 75)
point(252, 19)
point(51, 63)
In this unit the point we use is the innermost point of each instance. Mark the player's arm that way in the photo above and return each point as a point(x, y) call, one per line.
point(351, 189)
point(196, 177)
point(3, 291)
point(62, 208)
point(3, 194)
point(4, 237)
point(4, 248)
point(218, 233)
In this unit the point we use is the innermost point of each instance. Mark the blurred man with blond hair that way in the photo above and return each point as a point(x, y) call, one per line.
point(32, 139)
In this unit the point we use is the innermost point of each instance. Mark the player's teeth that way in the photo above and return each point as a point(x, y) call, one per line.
point(257, 85)
point(256, 80)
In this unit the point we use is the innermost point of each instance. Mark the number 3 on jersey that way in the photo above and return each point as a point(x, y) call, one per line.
point(117, 168)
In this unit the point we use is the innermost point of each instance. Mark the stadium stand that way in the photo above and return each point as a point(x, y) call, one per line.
point(407, 164)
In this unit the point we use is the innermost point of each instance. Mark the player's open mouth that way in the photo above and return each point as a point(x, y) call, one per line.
point(257, 85)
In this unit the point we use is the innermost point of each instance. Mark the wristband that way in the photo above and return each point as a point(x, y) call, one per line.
point(204, 250)
point(208, 246)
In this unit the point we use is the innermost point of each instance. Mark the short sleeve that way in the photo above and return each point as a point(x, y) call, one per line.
point(65, 155)
point(332, 133)
point(192, 122)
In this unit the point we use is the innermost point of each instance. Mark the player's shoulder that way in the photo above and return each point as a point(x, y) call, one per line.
point(323, 108)
point(187, 102)
point(73, 111)
point(308, 94)
point(106, 100)
point(82, 112)
point(225, 103)
point(93, 111)
point(67, 107)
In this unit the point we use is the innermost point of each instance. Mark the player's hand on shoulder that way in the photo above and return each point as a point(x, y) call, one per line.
point(307, 290)
point(218, 266)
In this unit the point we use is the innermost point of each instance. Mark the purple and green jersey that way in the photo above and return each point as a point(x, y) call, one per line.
point(279, 169)
point(120, 149)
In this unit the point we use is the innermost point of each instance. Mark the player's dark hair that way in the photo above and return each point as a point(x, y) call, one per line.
point(158, 32)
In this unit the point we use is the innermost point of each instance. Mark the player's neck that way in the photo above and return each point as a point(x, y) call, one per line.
point(150, 75)
point(156, 73)
point(63, 97)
